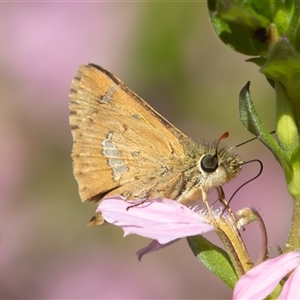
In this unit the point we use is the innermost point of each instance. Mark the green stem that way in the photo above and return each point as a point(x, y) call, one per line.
point(293, 240)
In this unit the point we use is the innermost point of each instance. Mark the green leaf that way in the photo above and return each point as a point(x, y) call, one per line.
point(248, 114)
point(240, 26)
point(244, 25)
point(286, 17)
point(260, 61)
point(295, 26)
point(284, 65)
point(253, 124)
point(214, 258)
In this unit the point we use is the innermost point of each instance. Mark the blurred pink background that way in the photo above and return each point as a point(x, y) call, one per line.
point(168, 54)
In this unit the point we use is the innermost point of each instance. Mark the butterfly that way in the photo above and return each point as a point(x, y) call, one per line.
point(122, 146)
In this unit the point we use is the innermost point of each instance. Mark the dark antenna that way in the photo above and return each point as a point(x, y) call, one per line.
point(257, 137)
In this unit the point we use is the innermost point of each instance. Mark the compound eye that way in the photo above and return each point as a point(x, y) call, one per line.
point(209, 163)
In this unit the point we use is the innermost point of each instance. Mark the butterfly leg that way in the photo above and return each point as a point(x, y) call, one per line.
point(223, 200)
point(204, 198)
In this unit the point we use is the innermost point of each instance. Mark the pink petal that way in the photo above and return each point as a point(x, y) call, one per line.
point(291, 288)
point(163, 220)
point(260, 281)
point(153, 246)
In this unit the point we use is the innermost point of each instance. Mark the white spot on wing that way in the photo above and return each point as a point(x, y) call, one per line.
point(108, 95)
point(114, 157)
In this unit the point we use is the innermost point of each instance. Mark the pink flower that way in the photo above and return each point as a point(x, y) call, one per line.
point(260, 281)
point(163, 220)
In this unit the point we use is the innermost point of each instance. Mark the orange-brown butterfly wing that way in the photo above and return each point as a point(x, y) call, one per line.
point(121, 145)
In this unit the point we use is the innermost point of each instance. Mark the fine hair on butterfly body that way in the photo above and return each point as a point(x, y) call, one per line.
point(122, 146)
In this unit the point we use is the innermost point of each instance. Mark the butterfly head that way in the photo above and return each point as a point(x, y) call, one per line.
point(218, 166)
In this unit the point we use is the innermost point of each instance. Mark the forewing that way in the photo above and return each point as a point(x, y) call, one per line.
point(120, 142)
